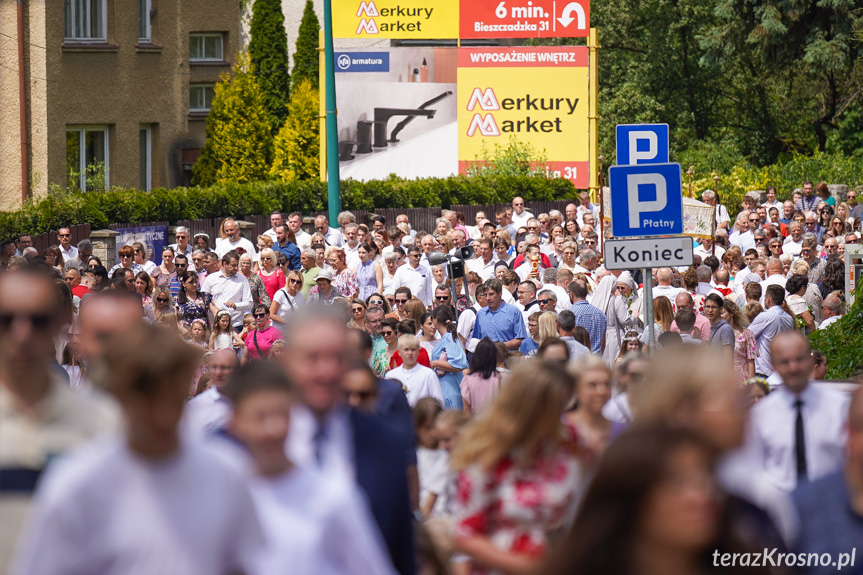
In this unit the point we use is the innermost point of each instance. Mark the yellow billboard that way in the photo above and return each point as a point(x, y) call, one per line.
point(402, 19)
point(538, 95)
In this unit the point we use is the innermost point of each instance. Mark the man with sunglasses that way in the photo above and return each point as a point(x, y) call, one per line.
point(70, 252)
point(332, 236)
point(520, 215)
point(415, 276)
point(181, 234)
point(41, 417)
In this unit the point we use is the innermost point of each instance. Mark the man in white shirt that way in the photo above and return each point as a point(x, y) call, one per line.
point(403, 219)
point(70, 252)
point(664, 277)
point(767, 325)
point(295, 224)
point(794, 242)
point(230, 290)
point(332, 236)
point(774, 276)
point(118, 505)
point(418, 380)
point(742, 236)
point(554, 280)
point(415, 276)
point(831, 310)
point(181, 234)
point(467, 319)
point(584, 208)
point(483, 263)
point(722, 219)
point(519, 214)
point(234, 240)
point(707, 248)
point(276, 220)
point(351, 246)
point(210, 411)
point(796, 433)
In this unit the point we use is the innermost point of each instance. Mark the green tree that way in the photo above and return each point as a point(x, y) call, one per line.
point(268, 49)
point(239, 141)
point(306, 59)
point(298, 144)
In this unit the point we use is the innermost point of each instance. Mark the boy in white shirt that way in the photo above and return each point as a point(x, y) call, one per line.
point(418, 380)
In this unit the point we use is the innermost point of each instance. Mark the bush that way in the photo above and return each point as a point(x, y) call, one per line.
point(842, 341)
point(120, 205)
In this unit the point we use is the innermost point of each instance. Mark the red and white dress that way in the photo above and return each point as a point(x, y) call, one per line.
point(517, 507)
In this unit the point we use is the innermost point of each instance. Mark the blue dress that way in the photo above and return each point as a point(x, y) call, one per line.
point(366, 279)
point(451, 382)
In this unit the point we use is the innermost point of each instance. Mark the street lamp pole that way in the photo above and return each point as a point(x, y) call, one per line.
point(334, 194)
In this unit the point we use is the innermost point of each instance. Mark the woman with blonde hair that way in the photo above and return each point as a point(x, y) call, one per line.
point(503, 234)
point(161, 303)
point(663, 316)
point(569, 251)
point(518, 470)
point(414, 309)
point(547, 326)
point(271, 275)
point(745, 348)
point(592, 392)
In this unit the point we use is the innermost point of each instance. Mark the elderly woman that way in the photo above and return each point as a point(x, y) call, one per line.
point(569, 251)
point(259, 292)
point(442, 227)
point(812, 294)
point(272, 276)
point(618, 320)
point(324, 292)
point(344, 279)
point(391, 264)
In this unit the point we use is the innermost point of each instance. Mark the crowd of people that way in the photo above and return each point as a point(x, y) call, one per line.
point(334, 402)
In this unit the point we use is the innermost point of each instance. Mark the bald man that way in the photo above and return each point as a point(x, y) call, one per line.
point(797, 433)
point(775, 275)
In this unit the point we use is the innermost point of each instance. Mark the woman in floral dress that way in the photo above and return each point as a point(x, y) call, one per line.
point(745, 347)
point(344, 280)
point(518, 472)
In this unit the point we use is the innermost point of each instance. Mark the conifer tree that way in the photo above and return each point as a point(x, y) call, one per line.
point(297, 145)
point(306, 60)
point(268, 49)
point(239, 141)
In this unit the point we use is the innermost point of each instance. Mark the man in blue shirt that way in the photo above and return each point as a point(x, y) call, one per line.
point(499, 321)
point(587, 316)
point(287, 247)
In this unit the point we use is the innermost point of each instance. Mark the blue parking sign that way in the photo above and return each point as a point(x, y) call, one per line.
point(642, 144)
point(646, 200)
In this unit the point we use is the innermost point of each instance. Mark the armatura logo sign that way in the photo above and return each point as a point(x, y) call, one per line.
point(395, 19)
point(538, 94)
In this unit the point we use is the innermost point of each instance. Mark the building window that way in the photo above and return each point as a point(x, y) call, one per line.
point(201, 97)
point(145, 31)
point(87, 158)
point(205, 48)
point(145, 158)
point(85, 20)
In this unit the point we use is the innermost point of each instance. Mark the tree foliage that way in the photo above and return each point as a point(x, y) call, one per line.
point(841, 341)
point(516, 158)
point(239, 142)
point(765, 78)
point(297, 145)
point(306, 59)
point(268, 49)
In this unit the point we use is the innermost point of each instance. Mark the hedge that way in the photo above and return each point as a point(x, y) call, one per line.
point(842, 341)
point(120, 205)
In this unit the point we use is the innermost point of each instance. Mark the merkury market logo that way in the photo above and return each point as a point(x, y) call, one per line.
point(407, 19)
point(487, 125)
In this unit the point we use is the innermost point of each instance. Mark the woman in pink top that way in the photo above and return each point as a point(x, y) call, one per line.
point(271, 275)
point(260, 340)
point(481, 386)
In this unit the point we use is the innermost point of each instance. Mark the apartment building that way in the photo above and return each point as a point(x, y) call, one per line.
point(113, 90)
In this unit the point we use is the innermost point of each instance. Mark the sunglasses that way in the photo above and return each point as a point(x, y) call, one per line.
point(64, 235)
point(296, 282)
point(356, 309)
point(38, 321)
point(259, 315)
point(543, 301)
point(442, 297)
point(401, 301)
point(376, 302)
point(161, 300)
point(387, 333)
point(266, 259)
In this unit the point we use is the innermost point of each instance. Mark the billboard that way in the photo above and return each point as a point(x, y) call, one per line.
point(154, 239)
point(538, 95)
point(491, 19)
point(402, 19)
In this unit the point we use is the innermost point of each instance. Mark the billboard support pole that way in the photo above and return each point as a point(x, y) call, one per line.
point(322, 108)
point(593, 135)
point(334, 195)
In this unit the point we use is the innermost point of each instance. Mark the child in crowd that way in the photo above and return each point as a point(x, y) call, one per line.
point(199, 338)
point(419, 380)
point(432, 462)
point(223, 336)
point(278, 349)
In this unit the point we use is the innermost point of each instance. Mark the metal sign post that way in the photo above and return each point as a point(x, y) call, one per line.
point(648, 308)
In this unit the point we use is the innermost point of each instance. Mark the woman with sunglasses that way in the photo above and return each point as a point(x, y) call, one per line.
point(260, 340)
point(837, 224)
point(448, 357)
point(358, 314)
point(166, 271)
point(391, 339)
point(287, 299)
point(369, 274)
point(54, 256)
point(126, 255)
point(162, 304)
point(192, 304)
point(271, 275)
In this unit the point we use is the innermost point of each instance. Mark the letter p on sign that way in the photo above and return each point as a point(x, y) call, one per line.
point(637, 206)
point(642, 144)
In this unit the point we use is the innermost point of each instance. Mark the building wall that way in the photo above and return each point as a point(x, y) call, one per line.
point(120, 84)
